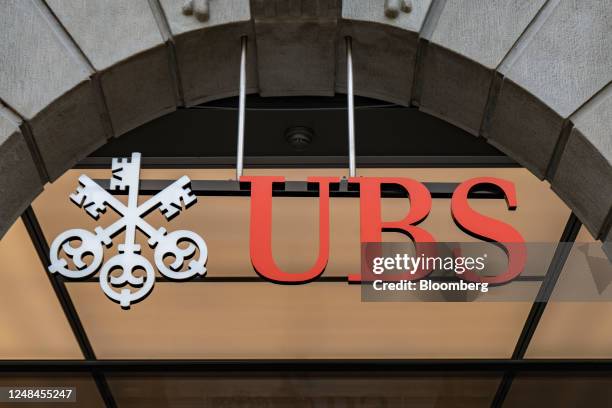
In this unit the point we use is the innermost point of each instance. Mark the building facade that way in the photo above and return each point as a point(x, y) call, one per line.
point(520, 90)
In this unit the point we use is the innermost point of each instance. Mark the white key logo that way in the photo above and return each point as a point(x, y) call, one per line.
point(85, 249)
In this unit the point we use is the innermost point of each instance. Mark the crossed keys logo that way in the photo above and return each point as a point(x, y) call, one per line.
point(124, 271)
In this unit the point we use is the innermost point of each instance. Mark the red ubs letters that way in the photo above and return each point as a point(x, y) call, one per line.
point(372, 225)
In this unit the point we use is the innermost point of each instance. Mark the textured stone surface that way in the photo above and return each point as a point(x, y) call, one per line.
point(499, 24)
point(384, 49)
point(139, 90)
point(524, 128)
point(569, 57)
point(208, 52)
point(564, 59)
point(39, 70)
point(296, 42)
point(68, 130)
point(584, 175)
point(459, 61)
point(110, 33)
point(19, 178)
point(454, 88)
point(36, 67)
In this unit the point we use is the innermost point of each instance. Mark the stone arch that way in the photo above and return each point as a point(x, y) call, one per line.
point(533, 77)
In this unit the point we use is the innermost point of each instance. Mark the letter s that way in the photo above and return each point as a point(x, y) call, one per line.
point(490, 229)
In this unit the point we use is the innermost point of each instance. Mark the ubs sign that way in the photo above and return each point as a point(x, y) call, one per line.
point(79, 254)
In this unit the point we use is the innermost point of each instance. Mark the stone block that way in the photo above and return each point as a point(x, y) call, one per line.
point(454, 88)
point(524, 128)
point(583, 177)
point(467, 40)
point(384, 49)
point(45, 81)
point(20, 182)
point(123, 42)
point(568, 56)
point(36, 66)
point(208, 48)
point(64, 132)
point(562, 61)
point(139, 90)
point(296, 46)
point(108, 31)
point(482, 30)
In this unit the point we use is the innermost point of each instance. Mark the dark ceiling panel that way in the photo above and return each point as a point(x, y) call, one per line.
point(384, 130)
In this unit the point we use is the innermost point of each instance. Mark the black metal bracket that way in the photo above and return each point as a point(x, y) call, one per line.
point(365, 366)
point(63, 297)
point(305, 189)
point(568, 237)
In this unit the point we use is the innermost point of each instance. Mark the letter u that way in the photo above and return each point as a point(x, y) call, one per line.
point(261, 229)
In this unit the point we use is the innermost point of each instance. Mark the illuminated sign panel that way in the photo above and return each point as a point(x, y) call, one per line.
point(182, 254)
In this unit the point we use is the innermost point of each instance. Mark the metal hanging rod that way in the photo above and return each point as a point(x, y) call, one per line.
point(241, 110)
point(351, 106)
